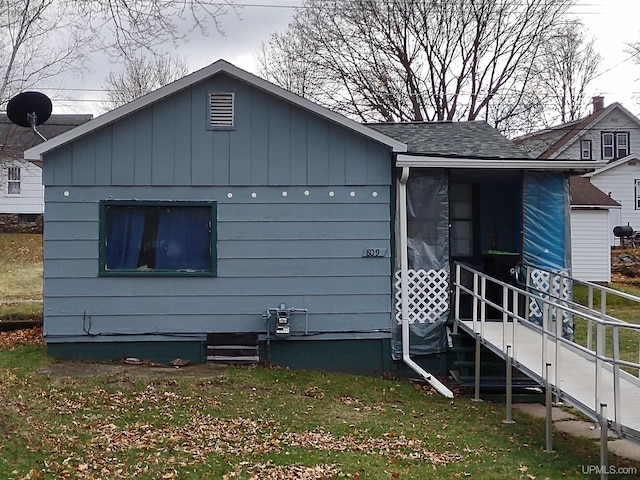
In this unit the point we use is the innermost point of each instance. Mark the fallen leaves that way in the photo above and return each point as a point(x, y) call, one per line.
point(179, 435)
point(271, 471)
point(18, 338)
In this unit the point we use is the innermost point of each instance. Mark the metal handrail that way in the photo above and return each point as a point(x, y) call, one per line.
point(592, 287)
point(553, 308)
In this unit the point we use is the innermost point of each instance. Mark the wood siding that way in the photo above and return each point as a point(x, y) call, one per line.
point(272, 143)
point(615, 121)
point(590, 250)
point(619, 182)
point(30, 200)
point(298, 201)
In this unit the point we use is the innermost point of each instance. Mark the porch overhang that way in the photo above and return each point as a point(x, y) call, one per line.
point(432, 161)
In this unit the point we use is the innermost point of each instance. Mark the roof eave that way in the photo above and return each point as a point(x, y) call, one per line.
point(594, 207)
point(613, 164)
point(35, 153)
point(427, 161)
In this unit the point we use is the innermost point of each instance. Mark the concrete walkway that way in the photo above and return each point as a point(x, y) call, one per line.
point(568, 423)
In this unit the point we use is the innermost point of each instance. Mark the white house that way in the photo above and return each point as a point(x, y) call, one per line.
point(621, 180)
point(610, 133)
point(21, 190)
point(590, 231)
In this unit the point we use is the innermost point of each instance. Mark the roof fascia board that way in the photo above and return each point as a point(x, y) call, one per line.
point(35, 153)
point(427, 161)
point(614, 164)
point(594, 207)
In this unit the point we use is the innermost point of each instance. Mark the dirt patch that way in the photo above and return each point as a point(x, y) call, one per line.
point(92, 369)
point(625, 266)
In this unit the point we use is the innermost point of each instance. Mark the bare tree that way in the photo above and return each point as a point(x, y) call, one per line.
point(398, 60)
point(633, 49)
point(40, 39)
point(555, 90)
point(140, 75)
point(295, 69)
point(130, 25)
point(567, 66)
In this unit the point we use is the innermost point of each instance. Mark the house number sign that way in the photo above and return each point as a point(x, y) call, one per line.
point(374, 252)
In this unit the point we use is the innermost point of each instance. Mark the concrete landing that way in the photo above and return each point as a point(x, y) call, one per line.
point(566, 422)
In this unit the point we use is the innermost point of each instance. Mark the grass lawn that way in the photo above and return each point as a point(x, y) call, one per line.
point(258, 423)
point(20, 276)
point(247, 422)
point(620, 308)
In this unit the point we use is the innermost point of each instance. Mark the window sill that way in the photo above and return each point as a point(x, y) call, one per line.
point(154, 273)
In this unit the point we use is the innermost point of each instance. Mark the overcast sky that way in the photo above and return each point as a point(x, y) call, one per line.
point(611, 22)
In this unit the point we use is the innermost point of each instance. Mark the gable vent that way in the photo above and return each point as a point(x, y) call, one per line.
point(220, 109)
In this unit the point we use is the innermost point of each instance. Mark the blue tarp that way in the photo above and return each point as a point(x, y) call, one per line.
point(547, 239)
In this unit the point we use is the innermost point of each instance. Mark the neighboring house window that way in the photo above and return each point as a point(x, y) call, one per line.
point(155, 238)
point(622, 145)
point(13, 187)
point(615, 145)
point(637, 194)
point(461, 209)
point(585, 149)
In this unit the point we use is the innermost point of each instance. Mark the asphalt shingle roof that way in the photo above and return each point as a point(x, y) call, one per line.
point(474, 139)
point(583, 192)
point(14, 140)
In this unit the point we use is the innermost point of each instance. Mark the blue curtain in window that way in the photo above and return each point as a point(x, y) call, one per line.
point(184, 239)
point(125, 226)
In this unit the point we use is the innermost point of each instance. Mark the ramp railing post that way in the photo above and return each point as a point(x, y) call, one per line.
point(604, 447)
point(558, 345)
point(476, 397)
point(509, 379)
point(600, 345)
point(483, 303)
point(617, 414)
point(514, 320)
point(589, 322)
point(475, 302)
point(549, 410)
point(505, 314)
point(545, 316)
point(457, 299)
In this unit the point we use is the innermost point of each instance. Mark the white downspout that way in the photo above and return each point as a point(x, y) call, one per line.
point(404, 290)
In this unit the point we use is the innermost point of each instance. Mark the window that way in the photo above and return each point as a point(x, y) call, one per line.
point(221, 109)
point(585, 149)
point(154, 238)
point(622, 145)
point(615, 145)
point(461, 235)
point(637, 194)
point(13, 187)
point(28, 218)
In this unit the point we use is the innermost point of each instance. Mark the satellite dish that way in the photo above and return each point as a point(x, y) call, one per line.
point(29, 109)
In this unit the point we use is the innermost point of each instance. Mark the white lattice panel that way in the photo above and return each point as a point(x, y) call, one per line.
point(541, 282)
point(428, 295)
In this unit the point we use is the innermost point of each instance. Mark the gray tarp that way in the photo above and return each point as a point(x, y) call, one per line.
point(428, 250)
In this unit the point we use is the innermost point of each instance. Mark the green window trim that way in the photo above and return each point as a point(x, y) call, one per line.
point(145, 206)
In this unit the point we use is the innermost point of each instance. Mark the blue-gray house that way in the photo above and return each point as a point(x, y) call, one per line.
point(222, 213)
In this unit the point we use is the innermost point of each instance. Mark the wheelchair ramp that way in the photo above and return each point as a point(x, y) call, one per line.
point(530, 326)
point(574, 380)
